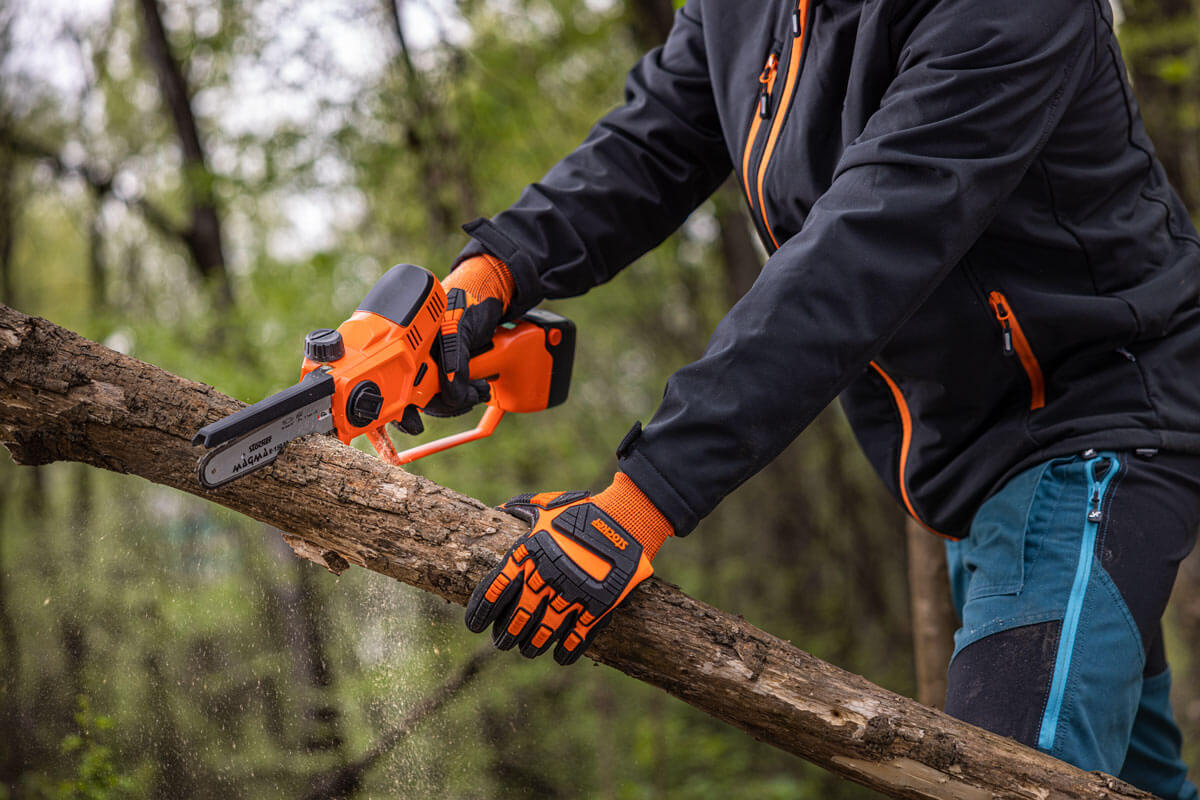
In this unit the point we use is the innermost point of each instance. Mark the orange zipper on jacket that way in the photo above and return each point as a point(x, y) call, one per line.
point(905, 443)
point(799, 24)
point(1015, 341)
point(762, 109)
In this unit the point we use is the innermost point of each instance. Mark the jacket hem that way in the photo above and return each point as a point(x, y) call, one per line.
point(1113, 439)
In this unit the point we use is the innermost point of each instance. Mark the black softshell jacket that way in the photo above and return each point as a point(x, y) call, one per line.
point(971, 242)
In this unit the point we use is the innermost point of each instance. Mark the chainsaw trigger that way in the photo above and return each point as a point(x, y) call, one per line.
point(410, 422)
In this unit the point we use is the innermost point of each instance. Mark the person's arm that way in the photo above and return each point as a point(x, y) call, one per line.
point(979, 86)
point(643, 168)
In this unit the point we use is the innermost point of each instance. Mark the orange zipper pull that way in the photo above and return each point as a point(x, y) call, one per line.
point(766, 80)
point(1015, 342)
point(1005, 326)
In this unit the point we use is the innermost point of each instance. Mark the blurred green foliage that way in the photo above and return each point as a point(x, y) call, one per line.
point(96, 775)
point(212, 661)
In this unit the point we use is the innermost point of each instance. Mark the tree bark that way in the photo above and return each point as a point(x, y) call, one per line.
point(63, 397)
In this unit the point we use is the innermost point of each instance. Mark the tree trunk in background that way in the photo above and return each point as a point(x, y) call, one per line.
point(97, 269)
point(173, 778)
point(8, 225)
point(1185, 687)
point(933, 614)
point(202, 236)
point(650, 21)
point(63, 397)
point(308, 615)
point(448, 190)
point(1161, 57)
point(741, 258)
point(11, 709)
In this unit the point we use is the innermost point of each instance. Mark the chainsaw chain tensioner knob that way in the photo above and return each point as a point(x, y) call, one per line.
point(324, 345)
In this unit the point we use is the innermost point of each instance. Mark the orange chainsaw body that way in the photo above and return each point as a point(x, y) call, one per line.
point(387, 343)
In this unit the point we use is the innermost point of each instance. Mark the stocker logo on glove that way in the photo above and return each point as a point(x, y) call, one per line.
point(557, 584)
point(599, 525)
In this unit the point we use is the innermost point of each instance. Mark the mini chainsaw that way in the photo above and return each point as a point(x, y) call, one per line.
point(376, 368)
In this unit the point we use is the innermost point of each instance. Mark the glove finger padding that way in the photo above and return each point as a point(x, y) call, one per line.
point(467, 328)
point(518, 626)
point(497, 592)
point(527, 507)
point(576, 565)
point(585, 634)
point(550, 630)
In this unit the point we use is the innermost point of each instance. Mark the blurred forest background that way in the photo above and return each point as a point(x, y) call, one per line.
point(199, 183)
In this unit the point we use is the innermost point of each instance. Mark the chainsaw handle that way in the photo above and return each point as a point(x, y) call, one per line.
point(528, 368)
point(486, 427)
point(387, 451)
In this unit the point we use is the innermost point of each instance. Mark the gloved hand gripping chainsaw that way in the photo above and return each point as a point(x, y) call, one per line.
point(376, 368)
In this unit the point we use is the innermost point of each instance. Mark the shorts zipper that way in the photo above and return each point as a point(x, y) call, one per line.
point(1101, 468)
point(754, 189)
point(1015, 342)
point(905, 442)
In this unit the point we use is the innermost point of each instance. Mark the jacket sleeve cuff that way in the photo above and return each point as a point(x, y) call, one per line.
point(654, 485)
point(486, 238)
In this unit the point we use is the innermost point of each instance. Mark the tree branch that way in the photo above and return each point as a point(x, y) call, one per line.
point(63, 397)
point(99, 181)
point(432, 140)
point(203, 235)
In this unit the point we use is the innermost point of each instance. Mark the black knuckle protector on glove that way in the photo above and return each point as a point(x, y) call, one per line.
point(556, 586)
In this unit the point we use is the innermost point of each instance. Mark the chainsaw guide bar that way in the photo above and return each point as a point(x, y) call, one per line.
point(253, 437)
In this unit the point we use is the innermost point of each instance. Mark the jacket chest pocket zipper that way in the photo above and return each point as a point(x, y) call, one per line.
point(766, 81)
point(752, 179)
point(1016, 343)
point(762, 111)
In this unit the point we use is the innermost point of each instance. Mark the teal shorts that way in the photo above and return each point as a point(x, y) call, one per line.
point(1060, 588)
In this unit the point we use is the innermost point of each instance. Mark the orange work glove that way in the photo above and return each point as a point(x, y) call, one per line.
point(478, 292)
point(581, 558)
